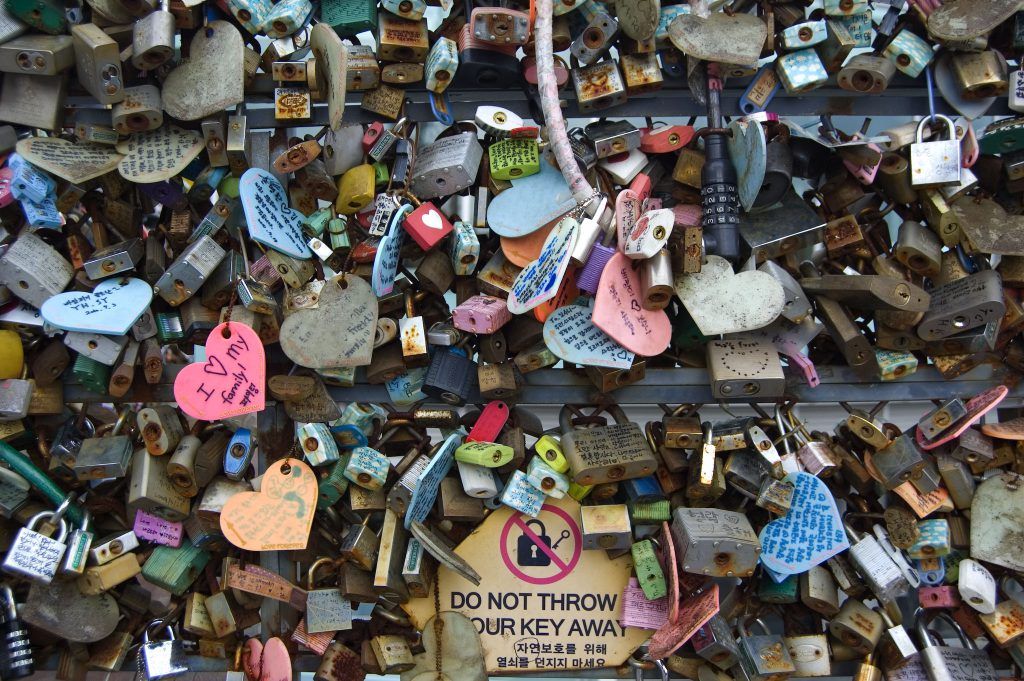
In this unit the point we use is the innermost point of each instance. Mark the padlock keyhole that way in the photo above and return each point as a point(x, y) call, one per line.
point(533, 551)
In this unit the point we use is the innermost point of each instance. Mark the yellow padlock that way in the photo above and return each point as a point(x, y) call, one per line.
point(579, 492)
point(355, 189)
point(487, 454)
point(550, 451)
point(12, 355)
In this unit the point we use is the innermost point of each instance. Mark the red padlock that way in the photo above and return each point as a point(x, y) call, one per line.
point(427, 225)
point(6, 197)
point(373, 131)
point(938, 597)
point(665, 139)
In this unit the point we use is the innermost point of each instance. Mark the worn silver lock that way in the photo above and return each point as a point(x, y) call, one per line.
point(447, 166)
point(153, 38)
point(763, 658)
point(877, 568)
point(937, 163)
point(33, 555)
point(162, 659)
point(79, 544)
point(947, 663)
point(715, 542)
point(189, 270)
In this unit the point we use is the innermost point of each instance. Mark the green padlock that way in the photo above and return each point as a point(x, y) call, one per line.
point(511, 159)
point(487, 454)
point(550, 450)
point(381, 174)
point(315, 224)
point(95, 377)
point(650, 512)
point(229, 187)
point(1003, 136)
point(786, 591)
point(175, 569)
point(648, 570)
point(43, 15)
point(349, 17)
point(332, 488)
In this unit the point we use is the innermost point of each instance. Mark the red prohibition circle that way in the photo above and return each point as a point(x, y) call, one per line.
point(516, 521)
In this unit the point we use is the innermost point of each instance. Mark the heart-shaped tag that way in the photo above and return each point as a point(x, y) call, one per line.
point(331, 66)
point(721, 301)
point(271, 221)
point(977, 406)
point(540, 279)
point(990, 227)
point(958, 21)
point(278, 517)
point(385, 262)
point(112, 307)
point(727, 39)
point(530, 203)
point(748, 150)
point(338, 333)
point(571, 335)
point(159, 154)
point(1006, 430)
point(638, 19)
point(212, 77)
point(619, 313)
point(232, 380)
point(76, 163)
point(522, 250)
point(811, 533)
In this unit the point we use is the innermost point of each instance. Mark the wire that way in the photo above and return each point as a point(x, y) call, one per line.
point(931, 93)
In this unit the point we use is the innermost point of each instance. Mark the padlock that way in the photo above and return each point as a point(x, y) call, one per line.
point(764, 657)
point(977, 586)
point(947, 663)
point(153, 38)
point(857, 626)
point(866, 73)
point(162, 659)
point(801, 71)
point(715, 642)
point(598, 86)
point(648, 570)
point(609, 453)
point(98, 60)
point(35, 556)
point(935, 164)
point(876, 567)
point(448, 165)
point(909, 52)
point(979, 74)
point(715, 542)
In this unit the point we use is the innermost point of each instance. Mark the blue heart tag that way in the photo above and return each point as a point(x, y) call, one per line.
point(112, 307)
point(271, 221)
point(811, 533)
point(531, 203)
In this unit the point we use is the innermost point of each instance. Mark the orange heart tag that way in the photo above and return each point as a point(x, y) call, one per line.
point(278, 517)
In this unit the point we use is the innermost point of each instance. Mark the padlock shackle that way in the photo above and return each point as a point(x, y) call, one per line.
point(10, 609)
point(950, 127)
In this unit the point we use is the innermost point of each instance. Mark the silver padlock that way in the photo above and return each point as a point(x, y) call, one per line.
point(162, 659)
point(935, 164)
point(79, 544)
point(33, 555)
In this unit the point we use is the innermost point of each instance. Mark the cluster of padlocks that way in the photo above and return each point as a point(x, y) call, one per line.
point(267, 399)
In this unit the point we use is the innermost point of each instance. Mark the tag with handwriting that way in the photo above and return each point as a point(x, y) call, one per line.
point(257, 580)
point(539, 280)
point(618, 312)
point(278, 517)
point(337, 333)
point(231, 381)
point(149, 527)
point(75, 163)
point(639, 612)
point(327, 610)
point(385, 262)
point(809, 534)
point(158, 155)
point(571, 335)
point(111, 308)
point(977, 406)
point(271, 220)
point(694, 613)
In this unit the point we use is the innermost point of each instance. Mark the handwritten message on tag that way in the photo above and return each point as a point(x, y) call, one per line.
point(232, 380)
point(649, 234)
point(271, 221)
point(385, 263)
point(338, 333)
point(1007, 430)
point(571, 335)
point(318, 643)
point(694, 613)
point(628, 207)
point(327, 610)
point(112, 307)
point(618, 312)
point(429, 482)
point(158, 155)
point(149, 527)
point(278, 517)
point(811, 533)
point(639, 612)
point(262, 582)
point(212, 77)
point(977, 406)
point(75, 163)
point(539, 280)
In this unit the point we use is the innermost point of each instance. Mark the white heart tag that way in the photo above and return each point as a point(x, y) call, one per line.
point(571, 335)
point(723, 302)
point(338, 333)
point(159, 154)
point(271, 221)
point(112, 307)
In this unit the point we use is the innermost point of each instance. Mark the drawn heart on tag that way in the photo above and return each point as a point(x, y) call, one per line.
point(278, 517)
point(531, 203)
point(977, 406)
point(272, 222)
point(112, 307)
point(211, 79)
point(540, 279)
point(811, 533)
point(735, 39)
point(75, 163)
point(338, 333)
point(571, 335)
point(432, 219)
point(385, 262)
point(331, 66)
point(748, 150)
point(158, 155)
point(619, 313)
point(721, 301)
point(232, 380)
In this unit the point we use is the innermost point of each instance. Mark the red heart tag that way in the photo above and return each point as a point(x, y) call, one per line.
point(232, 380)
point(619, 313)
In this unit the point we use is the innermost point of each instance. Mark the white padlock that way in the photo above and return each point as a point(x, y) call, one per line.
point(625, 166)
point(1016, 93)
point(477, 481)
point(977, 586)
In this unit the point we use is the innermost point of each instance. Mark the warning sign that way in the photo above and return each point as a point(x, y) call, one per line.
point(543, 602)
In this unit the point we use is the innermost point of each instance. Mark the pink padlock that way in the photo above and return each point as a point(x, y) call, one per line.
point(938, 597)
point(6, 197)
point(481, 314)
point(865, 173)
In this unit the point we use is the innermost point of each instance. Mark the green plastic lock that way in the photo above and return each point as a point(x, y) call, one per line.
point(648, 570)
point(349, 17)
point(650, 512)
point(42, 15)
point(487, 454)
point(550, 450)
point(95, 377)
point(175, 569)
point(786, 591)
point(229, 187)
point(511, 159)
point(315, 224)
point(337, 229)
point(579, 492)
point(381, 174)
point(333, 486)
point(169, 327)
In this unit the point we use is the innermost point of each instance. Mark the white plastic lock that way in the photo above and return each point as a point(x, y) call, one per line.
point(477, 481)
point(624, 167)
point(497, 121)
point(977, 586)
point(1016, 102)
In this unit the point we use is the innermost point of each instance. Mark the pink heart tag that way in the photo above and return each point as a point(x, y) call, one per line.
point(230, 382)
point(619, 313)
point(276, 662)
point(977, 406)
